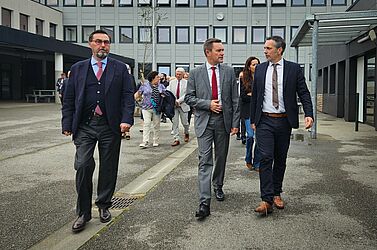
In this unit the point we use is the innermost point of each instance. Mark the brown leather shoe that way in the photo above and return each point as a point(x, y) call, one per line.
point(249, 166)
point(187, 137)
point(264, 208)
point(175, 143)
point(278, 202)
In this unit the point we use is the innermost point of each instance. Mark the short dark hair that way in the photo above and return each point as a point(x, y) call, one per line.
point(98, 32)
point(279, 41)
point(208, 44)
point(152, 75)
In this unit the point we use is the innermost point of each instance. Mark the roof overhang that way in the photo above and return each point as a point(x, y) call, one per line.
point(336, 28)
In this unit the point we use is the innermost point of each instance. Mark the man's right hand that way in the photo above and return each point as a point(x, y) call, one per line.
point(216, 106)
point(67, 133)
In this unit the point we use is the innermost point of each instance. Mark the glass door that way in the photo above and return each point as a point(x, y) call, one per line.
point(370, 90)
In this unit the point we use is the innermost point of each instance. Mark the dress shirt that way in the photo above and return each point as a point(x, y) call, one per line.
point(209, 71)
point(93, 62)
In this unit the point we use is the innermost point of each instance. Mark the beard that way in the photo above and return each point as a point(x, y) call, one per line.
point(102, 54)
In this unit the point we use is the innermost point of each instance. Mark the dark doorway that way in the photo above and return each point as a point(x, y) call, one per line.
point(5, 81)
point(370, 90)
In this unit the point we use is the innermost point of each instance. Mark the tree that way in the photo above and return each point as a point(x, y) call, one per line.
point(146, 14)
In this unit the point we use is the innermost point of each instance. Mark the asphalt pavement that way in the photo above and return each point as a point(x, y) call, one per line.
point(330, 190)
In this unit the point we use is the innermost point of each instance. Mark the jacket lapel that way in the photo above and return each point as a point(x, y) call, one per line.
point(110, 69)
point(285, 74)
point(81, 78)
point(205, 79)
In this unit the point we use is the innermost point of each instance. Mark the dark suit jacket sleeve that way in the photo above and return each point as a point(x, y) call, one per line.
point(303, 93)
point(68, 109)
point(253, 102)
point(128, 101)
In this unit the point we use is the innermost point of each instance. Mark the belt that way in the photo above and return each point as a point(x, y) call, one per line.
point(275, 115)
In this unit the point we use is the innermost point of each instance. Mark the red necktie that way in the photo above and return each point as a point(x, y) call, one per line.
point(214, 84)
point(178, 90)
point(98, 110)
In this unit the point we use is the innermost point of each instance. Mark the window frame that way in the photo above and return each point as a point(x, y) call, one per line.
point(280, 27)
point(291, 30)
point(48, 4)
point(252, 34)
point(126, 5)
point(27, 22)
point(167, 65)
point(52, 25)
point(341, 4)
point(10, 17)
point(257, 4)
point(201, 6)
point(132, 34)
point(69, 5)
point(88, 5)
point(226, 33)
point(163, 4)
point(195, 37)
point(220, 5)
point(316, 5)
point(65, 35)
point(188, 34)
point(182, 4)
point(158, 37)
point(298, 5)
point(106, 4)
point(237, 6)
point(139, 28)
point(83, 39)
point(41, 22)
point(104, 27)
point(239, 27)
point(278, 4)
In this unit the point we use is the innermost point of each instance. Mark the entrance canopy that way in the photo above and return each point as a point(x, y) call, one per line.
point(335, 28)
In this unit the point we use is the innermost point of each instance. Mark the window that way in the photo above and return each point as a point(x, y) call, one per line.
point(186, 67)
point(52, 2)
point(145, 34)
point(339, 2)
point(318, 2)
point(201, 3)
point(258, 34)
point(181, 3)
point(125, 3)
point(298, 2)
point(332, 78)
point(69, 3)
point(221, 33)
point(163, 68)
point(278, 31)
point(126, 34)
point(86, 31)
point(39, 27)
point(88, 3)
point(220, 3)
point(239, 3)
point(24, 22)
point(144, 2)
point(182, 34)
point(163, 35)
point(277, 2)
point(110, 31)
point(293, 31)
point(259, 2)
point(201, 34)
point(52, 30)
point(162, 2)
point(6, 19)
point(70, 33)
point(147, 69)
point(239, 34)
point(107, 2)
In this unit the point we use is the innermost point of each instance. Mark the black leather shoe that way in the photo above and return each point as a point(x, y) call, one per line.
point(203, 211)
point(219, 194)
point(79, 224)
point(104, 215)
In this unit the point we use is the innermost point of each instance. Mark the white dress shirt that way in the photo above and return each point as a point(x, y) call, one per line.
point(268, 107)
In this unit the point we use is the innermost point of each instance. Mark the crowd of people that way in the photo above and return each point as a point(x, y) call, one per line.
point(100, 110)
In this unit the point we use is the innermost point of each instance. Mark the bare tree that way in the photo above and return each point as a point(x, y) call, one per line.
point(146, 21)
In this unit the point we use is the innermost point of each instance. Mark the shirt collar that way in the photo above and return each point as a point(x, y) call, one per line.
point(94, 61)
point(280, 63)
point(209, 66)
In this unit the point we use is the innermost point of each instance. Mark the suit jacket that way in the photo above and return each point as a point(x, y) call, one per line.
point(182, 92)
point(293, 85)
point(119, 100)
point(199, 95)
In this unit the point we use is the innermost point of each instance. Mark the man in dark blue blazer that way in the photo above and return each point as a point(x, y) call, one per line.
point(274, 112)
point(98, 106)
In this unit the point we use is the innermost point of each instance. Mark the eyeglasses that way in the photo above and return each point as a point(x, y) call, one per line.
point(99, 42)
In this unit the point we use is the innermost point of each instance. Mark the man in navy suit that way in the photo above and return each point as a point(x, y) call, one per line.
point(274, 112)
point(98, 106)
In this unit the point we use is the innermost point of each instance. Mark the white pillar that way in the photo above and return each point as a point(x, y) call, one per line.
point(58, 71)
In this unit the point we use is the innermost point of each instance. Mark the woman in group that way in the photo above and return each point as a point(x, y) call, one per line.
point(151, 92)
point(246, 87)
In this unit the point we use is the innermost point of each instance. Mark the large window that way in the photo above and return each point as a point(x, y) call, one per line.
point(277, 2)
point(39, 27)
point(298, 2)
point(278, 31)
point(163, 35)
point(86, 31)
point(258, 34)
point(182, 34)
point(239, 34)
point(201, 3)
point(6, 17)
point(126, 34)
point(70, 33)
point(69, 3)
point(125, 3)
point(110, 31)
point(163, 2)
point(164, 68)
point(259, 2)
point(318, 2)
point(107, 2)
point(24, 22)
point(339, 2)
point(185, 66)
point(220, 3)
point(52, 30)
point(145, 34)
point(52, 2)
point(201, 34)
point(239, 3)
point(144, 2)
point(88, 2)
point(293, 31)
point(146, 68)
point(221, 33)
point(182, 3)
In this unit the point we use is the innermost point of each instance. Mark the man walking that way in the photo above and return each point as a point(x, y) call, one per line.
point(212, 90)
point(98, 106)
point(274, 112)
point(178, 88)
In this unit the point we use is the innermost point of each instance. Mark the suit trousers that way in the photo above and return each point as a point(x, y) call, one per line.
point(88, 135)
point(216, 134)
point(178, 113)
point(151, 124)
point(273, 136)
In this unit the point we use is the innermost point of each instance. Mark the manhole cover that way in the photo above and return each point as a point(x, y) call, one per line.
point(122, 202)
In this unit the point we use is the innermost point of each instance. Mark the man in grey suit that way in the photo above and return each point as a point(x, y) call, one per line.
point(212, 89)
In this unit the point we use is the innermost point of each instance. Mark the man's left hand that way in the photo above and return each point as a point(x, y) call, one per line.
point(125, 127)
point(233, 131)
point(308, 122)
